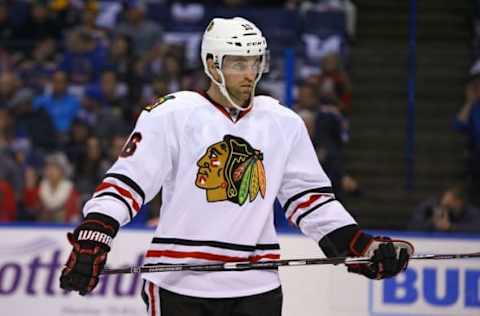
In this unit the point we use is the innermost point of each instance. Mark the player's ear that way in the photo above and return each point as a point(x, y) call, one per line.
point(212, 68)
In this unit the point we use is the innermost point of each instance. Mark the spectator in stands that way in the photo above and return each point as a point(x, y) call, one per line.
point(34, 124)
point(110, 94)
point(114, 149)
point(7, 28)
point(104, 120)
point(172, 71)
point(309, 118)
point(88, 171)
point(68, 13)
point(6, 128)
point(144, 33)
point(84, 59)
point(9, 170)
point(39, 25)
point(30, 204)
point(333, 82)
point(39, 67)
point(8, 206)
point(307, 98)
point(7, 60)
point(60, 104)
point(468, 122)
point(75, 148)
point(89, 23)
point(120, 57)
point(330, 139)
point(450, 212)
point(10, 175)
point(56, 196)
point(114, 92)
point(152, 63)
point(10, 87)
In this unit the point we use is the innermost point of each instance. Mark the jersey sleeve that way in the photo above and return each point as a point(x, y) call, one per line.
point(137, 175)
point(306, 193)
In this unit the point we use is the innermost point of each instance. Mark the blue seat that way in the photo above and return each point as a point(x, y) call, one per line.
point(159, 13)
point(266, 19)
point(323, 23)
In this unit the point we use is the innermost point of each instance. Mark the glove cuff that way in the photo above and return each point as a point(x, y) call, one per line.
point(337, 243)
point(360, 243)
point(96, 230)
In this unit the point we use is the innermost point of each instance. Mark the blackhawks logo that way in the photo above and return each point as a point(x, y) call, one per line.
point(231, 170)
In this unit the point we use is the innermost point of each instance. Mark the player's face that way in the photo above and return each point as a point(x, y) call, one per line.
point(211, 167)
point(240, 73)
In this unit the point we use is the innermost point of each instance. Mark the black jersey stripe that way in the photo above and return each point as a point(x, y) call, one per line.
point(128, 182)
point(216, 244)
point(313, 209)
point(118, 197)
point(144, 294)
point(299, 195)
point(267, 246)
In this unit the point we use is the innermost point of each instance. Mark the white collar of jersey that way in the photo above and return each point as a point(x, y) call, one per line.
point(232, 113)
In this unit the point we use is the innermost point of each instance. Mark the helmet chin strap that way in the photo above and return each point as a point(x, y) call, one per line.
point(226, 94)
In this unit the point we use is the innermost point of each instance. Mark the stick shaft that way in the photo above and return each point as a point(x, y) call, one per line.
point(273, 264)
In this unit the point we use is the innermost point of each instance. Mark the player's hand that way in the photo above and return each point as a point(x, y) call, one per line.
point(389, 257)
point(91, 242)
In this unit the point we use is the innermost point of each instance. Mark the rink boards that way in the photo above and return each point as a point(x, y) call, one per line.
point(31, 260)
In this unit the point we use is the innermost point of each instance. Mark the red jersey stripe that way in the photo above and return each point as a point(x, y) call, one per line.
point(305, 204)
point(122, 191)
point(208, 256)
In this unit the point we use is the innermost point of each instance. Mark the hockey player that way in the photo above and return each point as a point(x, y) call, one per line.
point(221, 157)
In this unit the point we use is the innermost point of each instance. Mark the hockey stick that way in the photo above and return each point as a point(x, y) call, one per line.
point(273, 264)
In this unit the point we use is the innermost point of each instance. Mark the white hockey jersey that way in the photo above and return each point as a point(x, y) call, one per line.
point(219, 178)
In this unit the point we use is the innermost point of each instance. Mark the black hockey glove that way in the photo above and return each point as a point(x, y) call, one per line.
point(389, 257)
point(91, 242)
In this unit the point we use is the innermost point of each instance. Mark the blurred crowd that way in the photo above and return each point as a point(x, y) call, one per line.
point(457, 207)
point(75, 75)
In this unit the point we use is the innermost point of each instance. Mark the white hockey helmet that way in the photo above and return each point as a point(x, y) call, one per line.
point(238, 37)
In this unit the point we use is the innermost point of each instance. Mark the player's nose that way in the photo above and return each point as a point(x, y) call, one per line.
point(250, 75)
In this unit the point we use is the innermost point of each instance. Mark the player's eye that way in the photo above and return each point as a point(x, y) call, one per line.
point(239, 66)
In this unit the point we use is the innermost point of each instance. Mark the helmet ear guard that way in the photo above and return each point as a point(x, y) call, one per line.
point(237, 37)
